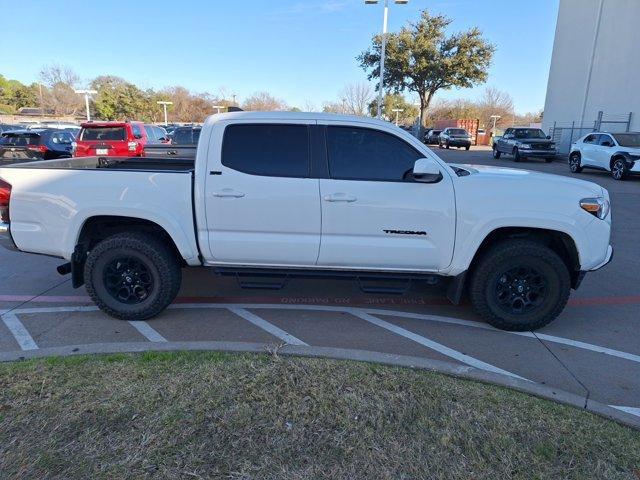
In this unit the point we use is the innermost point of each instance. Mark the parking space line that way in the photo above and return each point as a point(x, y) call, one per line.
point(266, 326)
point(147, 331)
point(438, 347)
point(589, 346)
point(19, 332)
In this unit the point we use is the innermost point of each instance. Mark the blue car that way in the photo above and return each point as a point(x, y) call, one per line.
point(35, 144)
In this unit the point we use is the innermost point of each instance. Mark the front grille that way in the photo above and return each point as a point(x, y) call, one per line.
point(540, 146)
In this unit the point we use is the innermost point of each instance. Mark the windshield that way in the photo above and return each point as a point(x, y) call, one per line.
point(628, 139)
point(103, 133)
point(529, 133)
point(458, 131)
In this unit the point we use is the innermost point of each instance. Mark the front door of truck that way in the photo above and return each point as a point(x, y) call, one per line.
point(262, 206)
point(374, 214)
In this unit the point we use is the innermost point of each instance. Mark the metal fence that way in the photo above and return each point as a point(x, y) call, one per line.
point(564, 134)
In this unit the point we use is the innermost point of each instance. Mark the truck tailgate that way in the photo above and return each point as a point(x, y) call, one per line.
point(50, 204)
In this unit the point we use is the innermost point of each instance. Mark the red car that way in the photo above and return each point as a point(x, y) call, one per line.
point(117, 139)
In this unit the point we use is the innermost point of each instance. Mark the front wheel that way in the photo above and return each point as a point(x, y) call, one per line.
point(520, 285)
point(446, 145)
point(496, 152)
point(467, 148)
point(516, 155)
point(575, 163)
point(132, 276)
point(619, 169)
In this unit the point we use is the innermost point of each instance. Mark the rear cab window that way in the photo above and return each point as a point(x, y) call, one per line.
point(274, 150)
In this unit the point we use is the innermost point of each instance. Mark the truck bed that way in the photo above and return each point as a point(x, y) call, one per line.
point(174, 164)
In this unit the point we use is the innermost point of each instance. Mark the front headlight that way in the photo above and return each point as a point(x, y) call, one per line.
point(525, 146)
point(597, 206)
point(553, 145)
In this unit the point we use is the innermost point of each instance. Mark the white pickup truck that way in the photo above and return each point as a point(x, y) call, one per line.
point(301, 194)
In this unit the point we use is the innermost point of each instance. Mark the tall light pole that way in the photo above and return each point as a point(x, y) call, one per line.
point(87, 94)
point(397, 110)
point(383, 50)
point(495, 118)
point(164, 105)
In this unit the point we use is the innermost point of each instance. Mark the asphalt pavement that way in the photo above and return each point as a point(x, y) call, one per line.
point(592, 350)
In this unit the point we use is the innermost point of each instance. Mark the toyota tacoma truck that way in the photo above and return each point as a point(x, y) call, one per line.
point(314, 195)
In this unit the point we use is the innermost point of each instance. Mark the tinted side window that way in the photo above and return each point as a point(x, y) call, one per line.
point(269, 149)
point(137, 131)
point(366, 154)
point(590, 138)
point(151, 134)
point(605, 139)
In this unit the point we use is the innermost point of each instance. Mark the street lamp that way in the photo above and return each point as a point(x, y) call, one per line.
point(86, 94)
point(164, 105)
point(495, 118)
point(397, 110)
point(384, 46)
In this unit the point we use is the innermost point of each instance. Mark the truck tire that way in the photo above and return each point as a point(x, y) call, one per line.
point(496, 152)
point(520, 285)
point(132, 276)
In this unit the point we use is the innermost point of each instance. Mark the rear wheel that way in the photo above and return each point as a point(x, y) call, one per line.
point(575, 163)
point(619, 169)
point(496, 152)
point(132, 276)
point(520, 285)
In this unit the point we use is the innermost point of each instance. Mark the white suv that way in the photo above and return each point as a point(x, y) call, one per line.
point(618, 153)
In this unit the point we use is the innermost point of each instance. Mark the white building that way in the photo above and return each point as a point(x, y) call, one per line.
point(595, 68)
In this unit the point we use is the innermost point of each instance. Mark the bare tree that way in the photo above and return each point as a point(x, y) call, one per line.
point(264, 101)
point(60, 96)
point(495, 102)
point(356, 98)
point(334, 107)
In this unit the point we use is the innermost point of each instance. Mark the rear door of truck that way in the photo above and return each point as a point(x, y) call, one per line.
point(261, 201)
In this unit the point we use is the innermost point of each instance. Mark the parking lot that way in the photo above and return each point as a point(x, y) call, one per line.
point(591, 350)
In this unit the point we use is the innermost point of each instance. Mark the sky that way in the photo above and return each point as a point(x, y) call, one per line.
point(300, 51)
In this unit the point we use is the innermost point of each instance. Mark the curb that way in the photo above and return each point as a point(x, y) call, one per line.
point(438, 366)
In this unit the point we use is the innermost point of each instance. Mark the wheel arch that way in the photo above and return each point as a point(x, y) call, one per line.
point(560, 242)
point(97, 228)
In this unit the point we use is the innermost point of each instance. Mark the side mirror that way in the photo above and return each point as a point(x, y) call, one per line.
point(426, 170)
point(548, 137)
point(137, 136)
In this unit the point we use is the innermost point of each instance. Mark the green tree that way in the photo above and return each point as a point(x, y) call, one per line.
point(423, 58)
point(15, 95)
point(395, 101)
point(118, 99)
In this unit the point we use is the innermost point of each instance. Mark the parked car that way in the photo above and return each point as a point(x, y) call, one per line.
point(432, 137)
point(524, 142)
point(29, 145)
point(186, 136)
point(300, 194)
point(116, 139)
point(618, 153)
point(454, 137)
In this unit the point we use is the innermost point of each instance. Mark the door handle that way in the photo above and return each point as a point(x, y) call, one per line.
point(340, 197)
point(229, 193)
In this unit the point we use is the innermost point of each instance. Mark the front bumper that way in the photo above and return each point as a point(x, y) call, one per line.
point(457, 142)
point(538, 153)
point(607, 259)
point(6, 240)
